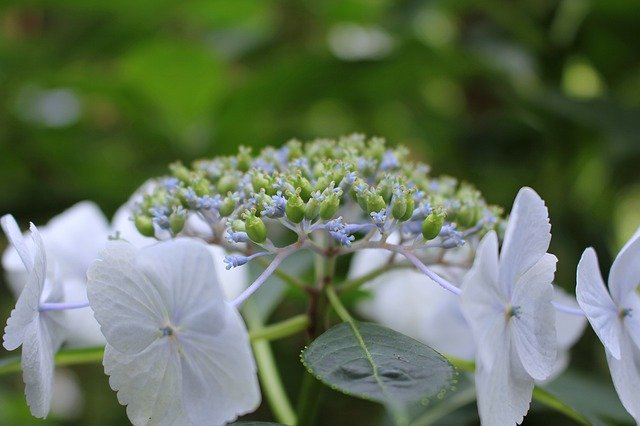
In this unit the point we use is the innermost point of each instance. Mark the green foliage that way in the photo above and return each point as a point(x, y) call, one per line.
point(373, 362)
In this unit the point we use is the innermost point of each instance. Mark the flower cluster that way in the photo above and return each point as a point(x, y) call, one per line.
point(348, 188)
point(442, 265)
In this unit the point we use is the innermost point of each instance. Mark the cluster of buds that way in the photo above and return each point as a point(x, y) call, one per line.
point(348, 188)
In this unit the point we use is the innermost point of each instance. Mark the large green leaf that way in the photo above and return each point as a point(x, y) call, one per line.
point(373, 362)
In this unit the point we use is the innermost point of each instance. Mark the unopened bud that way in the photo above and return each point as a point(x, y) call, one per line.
point(432, 225)
point(255, 228)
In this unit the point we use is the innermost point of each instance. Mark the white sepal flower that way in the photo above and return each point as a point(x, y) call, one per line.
point(72, 240)
point(507, 302)
point(39, 333)
point(177, 352)
point(615, 316)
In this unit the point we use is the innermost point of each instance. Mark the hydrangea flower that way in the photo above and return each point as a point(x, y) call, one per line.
point(411, 303)
point(72, 241)
point(615, 316)
point(177, 352)
point(39, 333)
point(507, 302)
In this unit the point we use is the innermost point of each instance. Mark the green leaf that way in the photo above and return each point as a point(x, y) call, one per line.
point(372, 362)
point(593, 398)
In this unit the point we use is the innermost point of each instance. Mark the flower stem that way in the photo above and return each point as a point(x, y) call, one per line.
point(62, 358)
point(281, 329)
point(272, 385)
point(282, 254)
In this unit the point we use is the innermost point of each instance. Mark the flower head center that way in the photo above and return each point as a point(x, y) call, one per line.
point(513, 311)
point(167, 331)
point(624, 312)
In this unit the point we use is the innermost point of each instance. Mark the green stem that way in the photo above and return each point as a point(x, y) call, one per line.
point(311, 389)
point(342, 312)
point(62, 358)
point(272, 385)
point(280, 329)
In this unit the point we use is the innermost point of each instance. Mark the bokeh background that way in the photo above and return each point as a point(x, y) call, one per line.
point(96, 97)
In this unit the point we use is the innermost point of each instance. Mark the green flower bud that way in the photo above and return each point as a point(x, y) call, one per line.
point(177, 220)
point(329, 206)
point(385, 189)
point(323, 182)
point(295, 208)
point(228, 206)
point(238, 226)
point(411, 206)
point(305, 186)
point(467, 216)
point(255, 227)
point(375, 203)
point(244, 158)
point(227, 183)
point(398, 206)
point(201, 186)
point(312, 209)
point(432, 225)
point(260, 181)
point(180, 171)
point(144, 225)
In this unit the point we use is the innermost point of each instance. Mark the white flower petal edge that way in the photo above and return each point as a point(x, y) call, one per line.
point(177, 353)
point(615, 317)
point(506, 299)
point(39, 333)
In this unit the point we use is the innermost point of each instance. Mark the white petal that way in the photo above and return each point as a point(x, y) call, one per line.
point(183, 273)
point(74, 237)
point(149, 383)
point(569, 327)
point(533, 328)
point(11, 229)
point(219, 374)
point(526, 238)
point(625, 373)
point(631, 322)
point(625, 271)
point(26, 310)
point(43, 338)
point(83, 329)
point(483, 300)
point(504, 391)
point(129, 308)
point(596, 303)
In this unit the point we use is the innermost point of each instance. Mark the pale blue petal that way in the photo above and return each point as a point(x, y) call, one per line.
point(625, 373)
point(596, 302)
point(526, 238)
point(533, 329)
point(625, 271)
point(127, 305)
point(483, 300)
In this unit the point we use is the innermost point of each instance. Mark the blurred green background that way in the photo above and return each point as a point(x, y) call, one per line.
point(96, 97)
